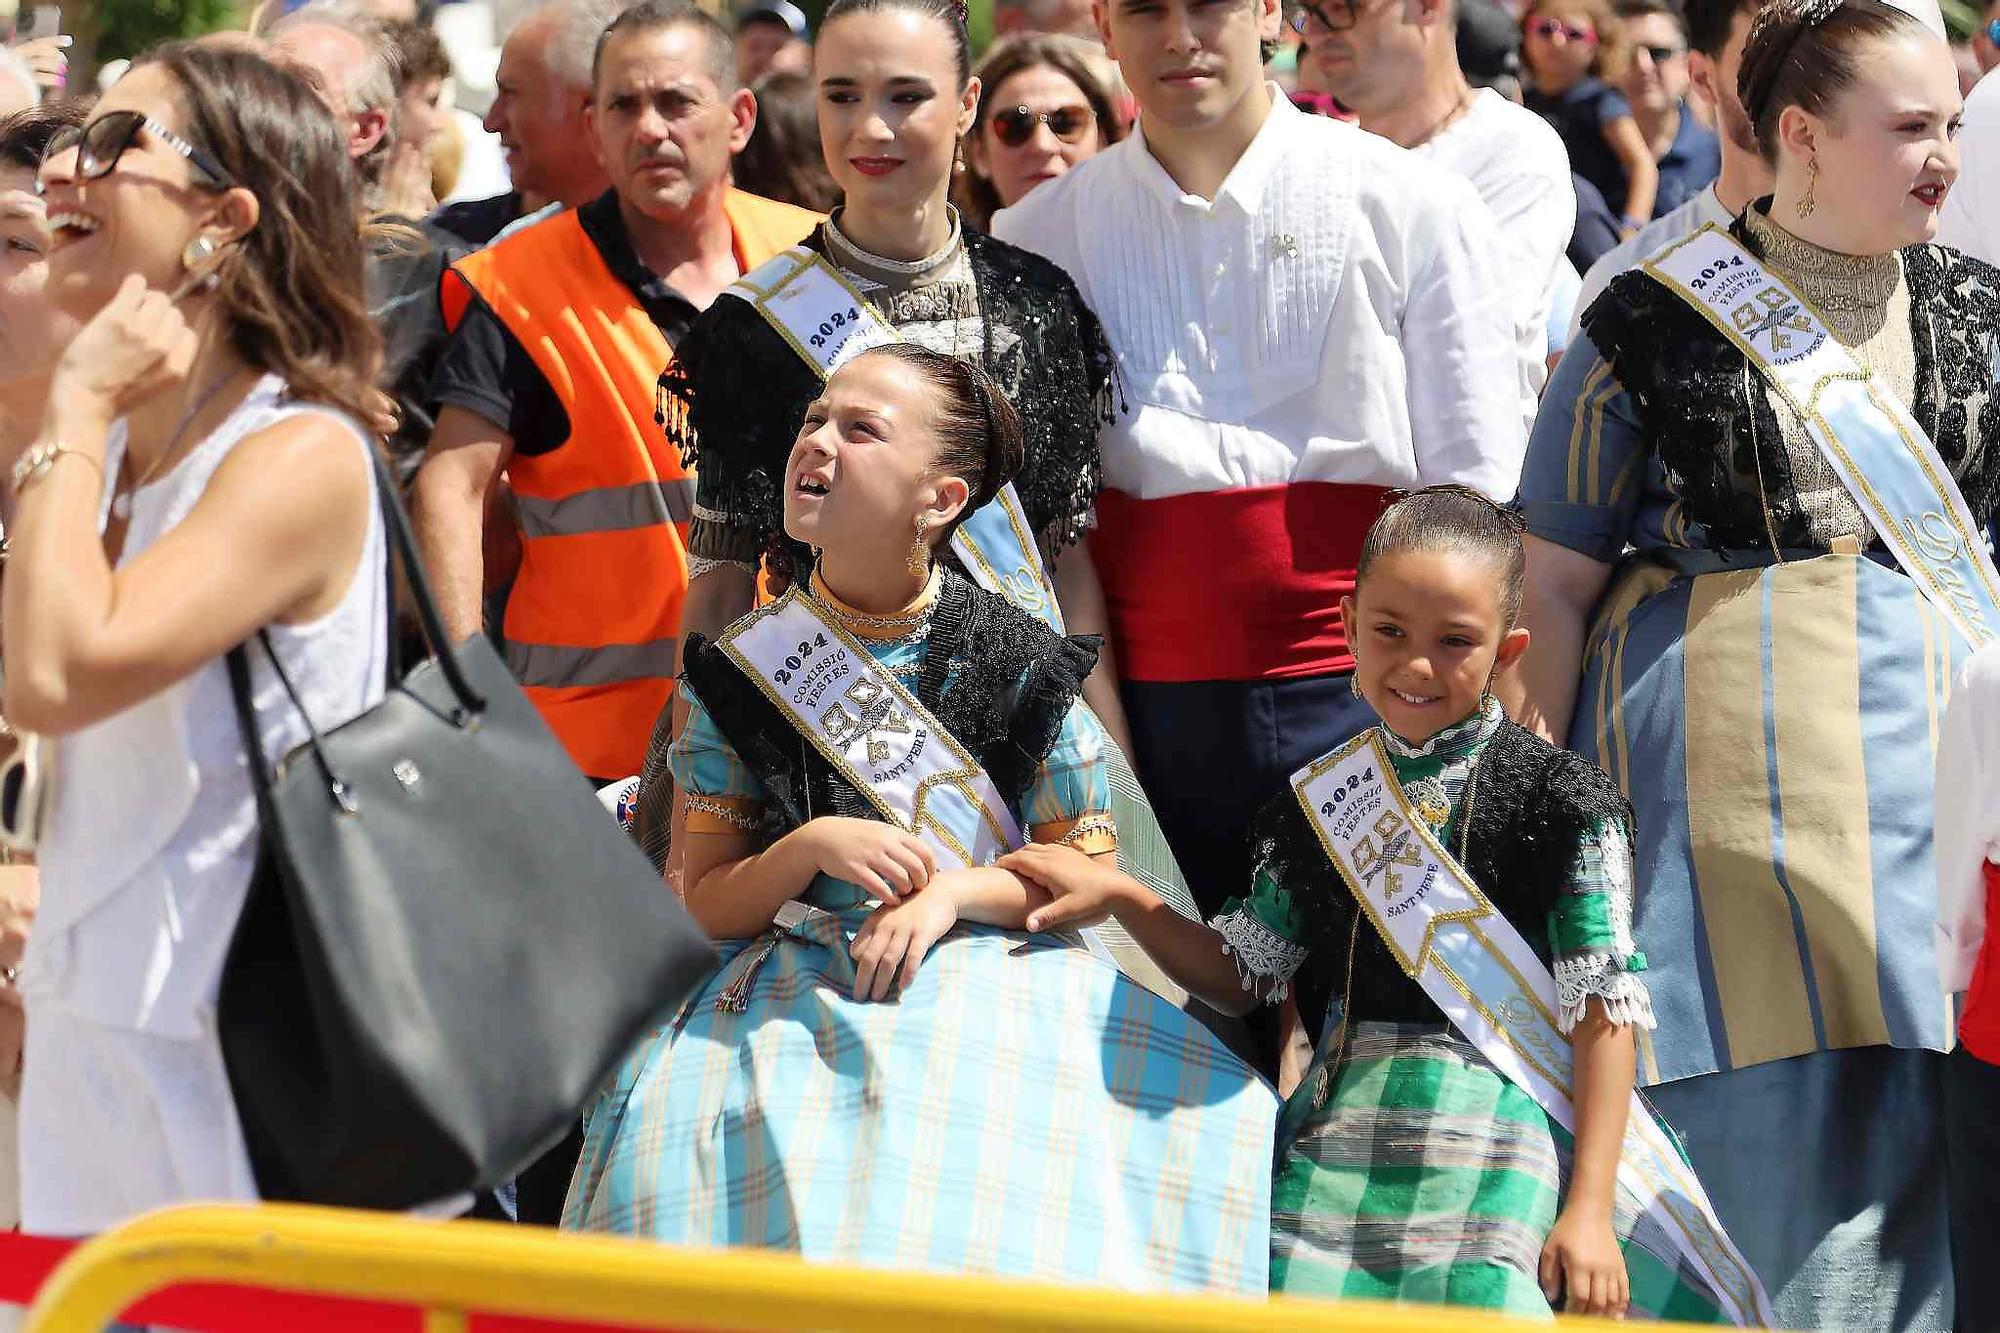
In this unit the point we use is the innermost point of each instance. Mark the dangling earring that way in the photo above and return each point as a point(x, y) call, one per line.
point(958, 159)
point(920, 554)
point(1807, 203)
point(1354, 685)
point(199, 251)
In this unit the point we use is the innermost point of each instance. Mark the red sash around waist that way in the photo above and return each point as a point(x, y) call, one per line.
point(1232, 585)
point(1979, 1024)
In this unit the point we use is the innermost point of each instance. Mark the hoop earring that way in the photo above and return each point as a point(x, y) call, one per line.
point(1807, 203)
point(920, 554)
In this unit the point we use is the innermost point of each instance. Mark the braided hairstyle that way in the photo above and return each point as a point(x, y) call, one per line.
point(979, 433)
point(1806, 53)
point(1458, 521)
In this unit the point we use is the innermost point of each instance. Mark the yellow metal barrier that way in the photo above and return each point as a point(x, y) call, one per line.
point(448, 1269)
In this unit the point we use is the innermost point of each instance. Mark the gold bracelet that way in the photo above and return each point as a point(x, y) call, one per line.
point(38, 461)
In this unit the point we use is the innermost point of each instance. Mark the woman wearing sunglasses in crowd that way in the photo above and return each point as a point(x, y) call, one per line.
point(1043, 107)
point(32, 334)
point(200, 478)
point(1571, 48)
point(894, 262)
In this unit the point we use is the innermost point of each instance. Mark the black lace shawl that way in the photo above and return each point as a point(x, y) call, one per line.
point(1688, 383)
point(999, 680)
point(736, 392)
point(1533, 808)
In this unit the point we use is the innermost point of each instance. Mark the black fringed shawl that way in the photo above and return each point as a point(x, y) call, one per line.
point(736, 392)
point(1532, 810)
point(999, 680)
point(1688, 383)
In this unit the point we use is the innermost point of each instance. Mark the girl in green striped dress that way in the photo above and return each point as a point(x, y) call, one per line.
point(1409, 1167)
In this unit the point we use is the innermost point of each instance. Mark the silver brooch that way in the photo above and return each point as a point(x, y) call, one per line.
point(1285, 246)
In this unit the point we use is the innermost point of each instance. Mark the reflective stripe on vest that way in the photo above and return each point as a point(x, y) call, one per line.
point(595, 616)
point(607, 509)
point(553, 667)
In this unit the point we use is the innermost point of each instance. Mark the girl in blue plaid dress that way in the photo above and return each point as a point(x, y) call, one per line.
point(1409, 1167)
point(887, 1069)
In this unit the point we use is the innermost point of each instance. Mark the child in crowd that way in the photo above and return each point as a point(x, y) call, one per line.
point(1571, 47)
point(1968, 843)
point(1421, 1160)
point(887, 1069)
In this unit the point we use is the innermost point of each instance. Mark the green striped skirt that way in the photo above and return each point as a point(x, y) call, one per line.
point(1421, 1174)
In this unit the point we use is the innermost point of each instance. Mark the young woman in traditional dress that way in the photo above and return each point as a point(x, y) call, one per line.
point(896, 96)
point(1438, 867)
point(1755, 497)
point(854, 757)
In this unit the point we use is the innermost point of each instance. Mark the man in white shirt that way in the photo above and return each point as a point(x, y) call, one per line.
point(1970, 220)
point(1395, 64)
point(1304, 315)
point(1716, 31)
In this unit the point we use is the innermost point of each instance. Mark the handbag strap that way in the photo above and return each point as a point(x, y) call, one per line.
point(396, 522)
point(253, 742)
point(403, 554)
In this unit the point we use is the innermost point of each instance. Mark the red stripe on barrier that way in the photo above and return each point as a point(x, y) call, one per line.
point(27, 1261)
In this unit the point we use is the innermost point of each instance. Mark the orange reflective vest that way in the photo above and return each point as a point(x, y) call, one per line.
point(594, 620)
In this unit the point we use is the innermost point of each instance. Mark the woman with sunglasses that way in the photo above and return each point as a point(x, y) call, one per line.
point(1755, 497)
point(32, 334)
point(895, 262)
point(1043, 108)
point(200, 478)
point(1571, 48)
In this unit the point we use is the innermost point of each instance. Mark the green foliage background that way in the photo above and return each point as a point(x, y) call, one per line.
point(123, 28)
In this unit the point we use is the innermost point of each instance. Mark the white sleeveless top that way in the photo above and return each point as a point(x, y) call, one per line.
point(151, 845)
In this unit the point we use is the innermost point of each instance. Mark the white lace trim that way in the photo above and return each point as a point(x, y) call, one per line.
point(700, 565)
point(1624, 996)
point(1258, 951)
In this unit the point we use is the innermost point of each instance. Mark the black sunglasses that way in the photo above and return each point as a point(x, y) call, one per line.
point(1016, 125)
point(103, 141)
point(1334, 16)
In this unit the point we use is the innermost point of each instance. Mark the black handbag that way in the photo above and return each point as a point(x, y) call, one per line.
point(447, 946)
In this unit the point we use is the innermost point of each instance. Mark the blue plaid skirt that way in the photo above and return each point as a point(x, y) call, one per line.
point(1022, 1111)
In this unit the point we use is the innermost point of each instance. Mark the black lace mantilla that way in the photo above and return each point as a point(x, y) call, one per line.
point(1689, 385)
point(1533, 809)
point(999, 680)
point(736, 392)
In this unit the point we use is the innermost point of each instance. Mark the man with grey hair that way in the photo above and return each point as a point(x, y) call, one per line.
point(542, 86)
point(347, 57)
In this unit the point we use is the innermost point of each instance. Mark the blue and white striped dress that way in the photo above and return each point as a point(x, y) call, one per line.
point(1022, 1110)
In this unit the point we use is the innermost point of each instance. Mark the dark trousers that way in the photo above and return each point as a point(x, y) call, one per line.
point(1211, 753)
point(1972, 1175)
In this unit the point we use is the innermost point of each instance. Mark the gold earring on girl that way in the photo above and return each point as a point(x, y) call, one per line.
point(1807, 203)
point(920, 554)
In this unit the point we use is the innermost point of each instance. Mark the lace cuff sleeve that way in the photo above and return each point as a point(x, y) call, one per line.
point(1259, 951)
point(1590, 934)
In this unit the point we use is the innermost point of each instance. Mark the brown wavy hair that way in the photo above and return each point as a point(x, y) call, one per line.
point(1612, 54)
point(291, 290)
point(975, 195)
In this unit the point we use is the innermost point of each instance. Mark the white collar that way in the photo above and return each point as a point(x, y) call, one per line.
point(1245, 183)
